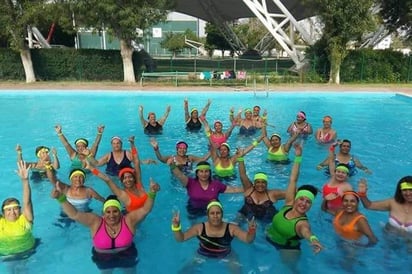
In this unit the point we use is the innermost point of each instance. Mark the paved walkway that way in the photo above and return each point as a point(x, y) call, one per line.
point(401, 88)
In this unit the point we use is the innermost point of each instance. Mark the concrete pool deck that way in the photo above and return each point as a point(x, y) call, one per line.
point(102, 86)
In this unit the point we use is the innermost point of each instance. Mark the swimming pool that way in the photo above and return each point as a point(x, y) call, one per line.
point(378, 125)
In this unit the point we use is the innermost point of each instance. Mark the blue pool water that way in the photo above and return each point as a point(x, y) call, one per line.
point(378, 124)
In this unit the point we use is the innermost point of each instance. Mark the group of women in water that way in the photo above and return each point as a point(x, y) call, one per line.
point(114, 230)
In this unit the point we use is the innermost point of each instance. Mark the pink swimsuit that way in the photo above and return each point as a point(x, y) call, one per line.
point(102, 239)
point(335, 203)
point(218, 139)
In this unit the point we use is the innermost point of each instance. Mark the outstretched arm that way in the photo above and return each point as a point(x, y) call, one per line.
point(361, 166)
point(19, 152)
point(23, 173)
point(206, 108)
point(304, 231)
point(246, 182)
point(70, 150)
point(162, 120)
point(136, 162)
point(294, 176)
point(383, 205)
point(365, 229)
point(177, 229)
point(142, 120)
point(265, 137)
point(287, 146)
point(55, 161)
point(245, 236)
point(178, 173)
point(186, 109)
point(138, 215)
point(51, 175)
point(95, 146)
point(120, 193)
point(155, 146)
point(229, 130)
point(208, 131)
point(88, 219)
point(243, 152)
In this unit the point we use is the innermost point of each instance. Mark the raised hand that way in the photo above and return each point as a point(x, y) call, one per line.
point(100, 128)
point(153, 186)
point(252, 224)
point(58, 129)
point(176, 218)
point(362, 186)
point(23, 170)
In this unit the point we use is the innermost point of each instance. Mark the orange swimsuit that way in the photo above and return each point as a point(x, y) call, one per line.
point(136, 201)
point(347, 231)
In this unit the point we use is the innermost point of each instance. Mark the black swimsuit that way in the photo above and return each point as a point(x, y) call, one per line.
point(193, 126)
point(215, 247)
point(264, 211)
point(151, 130)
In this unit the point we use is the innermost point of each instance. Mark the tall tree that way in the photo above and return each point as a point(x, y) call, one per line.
point(397, 15)
point(250, 32)
point(175, 42)
point(215, 39)
point(121, 18)
point(16, 17)
point(344, 21)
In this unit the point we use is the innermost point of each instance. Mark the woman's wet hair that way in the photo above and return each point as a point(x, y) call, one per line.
point(77, 170)
point(111, 197)
point(40, 148)
point(398, 197)
point(310, 188)
point(345, 141)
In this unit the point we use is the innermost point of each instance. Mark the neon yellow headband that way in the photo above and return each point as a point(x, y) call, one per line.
point(11, 206)
point(114, 203)
point(305, 193)
point(203, 167)
point(193, 109)
point(41, 151)
point(214, 203)
point(260, 176)
point(248, 110)
point(343, 168)
point(77, 172)
point(226, 145)
point(275, 135)
point(81, 140)
point(406, 185)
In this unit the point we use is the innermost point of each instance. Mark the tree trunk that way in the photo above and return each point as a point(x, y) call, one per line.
point(336, 58)
point(25, 56)
point(126, 52)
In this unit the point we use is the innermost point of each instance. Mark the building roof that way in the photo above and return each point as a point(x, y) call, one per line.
point(230, 10)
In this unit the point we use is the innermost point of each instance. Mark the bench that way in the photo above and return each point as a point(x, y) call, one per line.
point(171, 75)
